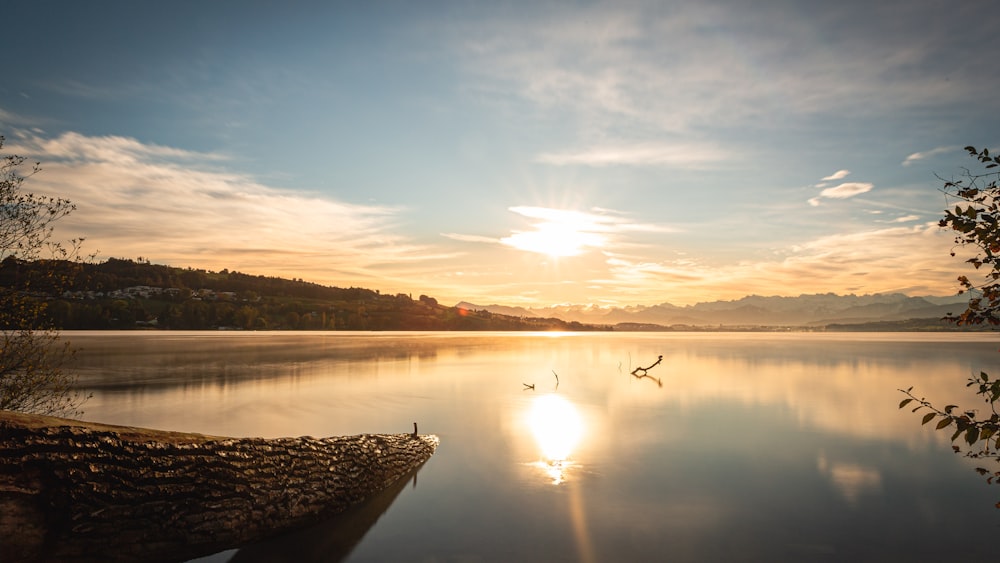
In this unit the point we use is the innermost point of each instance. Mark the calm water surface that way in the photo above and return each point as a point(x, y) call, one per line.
point(740, 447)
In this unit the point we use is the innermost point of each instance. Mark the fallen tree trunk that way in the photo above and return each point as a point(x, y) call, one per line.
point(84, 491)
point(329, 541)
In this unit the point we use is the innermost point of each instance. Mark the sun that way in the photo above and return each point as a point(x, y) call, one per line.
point(554, 240)
point(560, 233)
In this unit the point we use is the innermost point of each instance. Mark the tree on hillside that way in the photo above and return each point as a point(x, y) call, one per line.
point(32, 360)
point(975, 221)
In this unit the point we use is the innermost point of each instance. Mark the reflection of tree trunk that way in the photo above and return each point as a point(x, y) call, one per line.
point(77, 490)
point(330, 541)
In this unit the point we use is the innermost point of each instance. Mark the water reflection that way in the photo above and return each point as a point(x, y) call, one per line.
point(558, 428)
point(852, 480)
point(642, 470)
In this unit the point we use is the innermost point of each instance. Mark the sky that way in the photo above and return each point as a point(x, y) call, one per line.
point(518, 153)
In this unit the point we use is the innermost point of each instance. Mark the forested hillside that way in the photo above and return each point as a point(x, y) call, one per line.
point(127, 294)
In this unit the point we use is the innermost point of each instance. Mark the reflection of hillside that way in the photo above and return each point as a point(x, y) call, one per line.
point(156, 359)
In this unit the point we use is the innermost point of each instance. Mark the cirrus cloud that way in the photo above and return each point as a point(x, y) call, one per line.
point(842, 191)
point(671, 155)
point(173, 207)
point(864, 262)
point(838, 175)
point(918, 156)
point(847, 189)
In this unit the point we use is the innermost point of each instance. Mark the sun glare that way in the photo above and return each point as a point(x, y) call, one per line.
point(554, 240)
point(559, 233)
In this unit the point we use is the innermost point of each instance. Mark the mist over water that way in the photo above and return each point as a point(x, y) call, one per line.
point(737, 447)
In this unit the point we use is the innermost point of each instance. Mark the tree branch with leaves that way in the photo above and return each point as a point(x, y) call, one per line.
point(33, 360)
point(975, 220)
point(981, 434)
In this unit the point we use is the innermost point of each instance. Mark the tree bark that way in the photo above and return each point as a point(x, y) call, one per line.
point(329, 541)
point(72, 490)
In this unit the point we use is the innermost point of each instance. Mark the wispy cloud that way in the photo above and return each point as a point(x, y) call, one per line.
point(703, 63)
point(470, 238)
point(838, 175)
point(863, 262)
point(122, 151)
point(918, 156)
point(597, 219)
point(847, 190)
point(9, 119)
point(673, 155)
point(166, 204)
point(6, 116)
point(840, 191)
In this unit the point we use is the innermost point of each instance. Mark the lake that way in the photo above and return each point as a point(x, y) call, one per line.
point(737, 447)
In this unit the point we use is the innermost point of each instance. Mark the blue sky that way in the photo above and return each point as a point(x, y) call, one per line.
point(525, 153)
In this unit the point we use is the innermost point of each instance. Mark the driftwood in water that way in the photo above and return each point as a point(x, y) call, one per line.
point(641, 372)
point(77, 490)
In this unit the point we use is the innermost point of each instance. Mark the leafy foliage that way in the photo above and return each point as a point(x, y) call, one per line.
point(975, 221)
point(981, 435)
point(32, 360)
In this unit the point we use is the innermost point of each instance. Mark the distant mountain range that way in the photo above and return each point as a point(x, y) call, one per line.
point(121, 294)
point(802, 311)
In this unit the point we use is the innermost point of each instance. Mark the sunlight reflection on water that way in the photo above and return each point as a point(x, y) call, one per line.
point(558, 428)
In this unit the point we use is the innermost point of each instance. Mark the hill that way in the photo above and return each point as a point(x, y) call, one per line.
point(125, 294)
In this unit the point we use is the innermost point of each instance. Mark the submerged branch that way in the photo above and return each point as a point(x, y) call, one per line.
point(641, 372)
